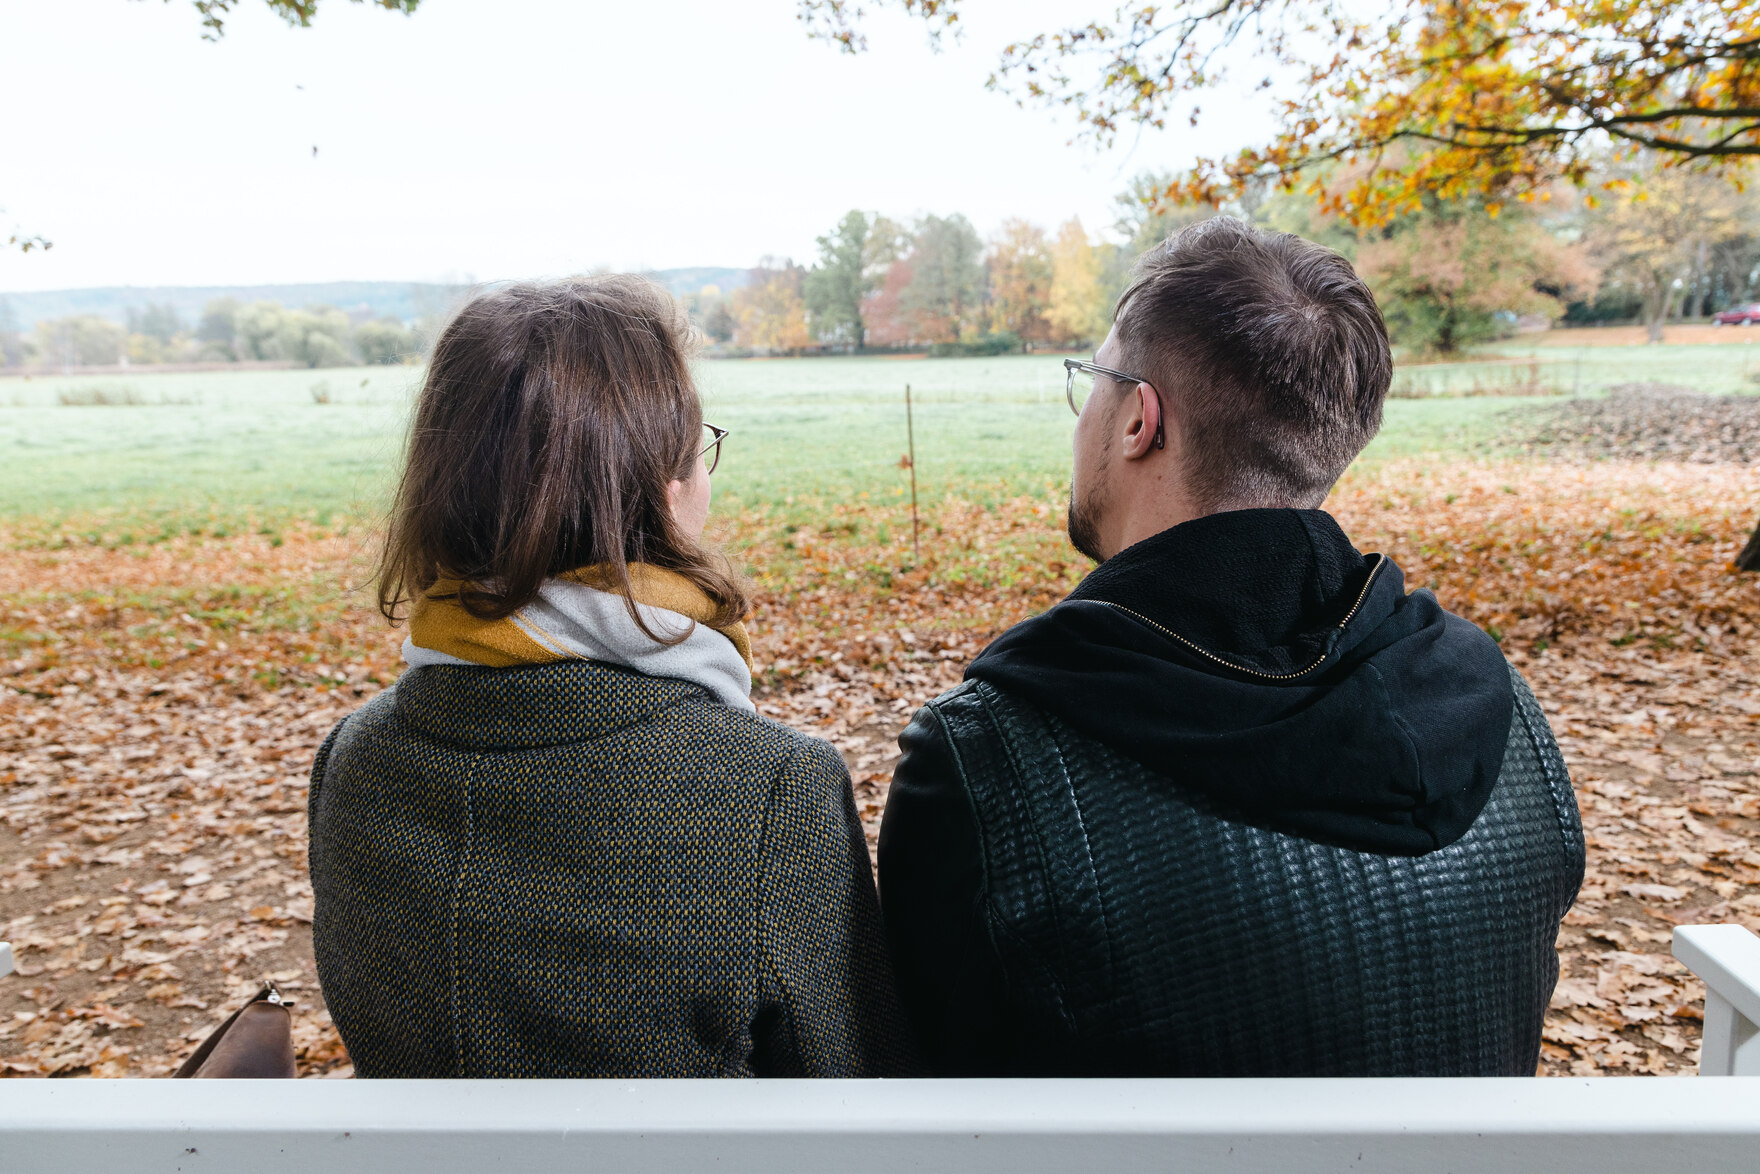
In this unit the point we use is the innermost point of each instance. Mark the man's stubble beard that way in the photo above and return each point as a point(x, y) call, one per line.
point(1088, 504)
point(1084, 532)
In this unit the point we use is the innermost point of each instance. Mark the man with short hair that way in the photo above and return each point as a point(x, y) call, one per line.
point(1239, 805)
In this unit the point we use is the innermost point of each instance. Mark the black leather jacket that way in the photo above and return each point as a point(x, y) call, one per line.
point(1055, 906)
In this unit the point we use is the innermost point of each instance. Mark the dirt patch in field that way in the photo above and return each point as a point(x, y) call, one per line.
point(163, 703)
point(1647, 422)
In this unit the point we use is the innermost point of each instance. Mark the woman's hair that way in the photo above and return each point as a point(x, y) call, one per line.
point(551, 421)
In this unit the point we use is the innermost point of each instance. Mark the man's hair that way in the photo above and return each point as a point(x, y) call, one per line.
point(1271, 354)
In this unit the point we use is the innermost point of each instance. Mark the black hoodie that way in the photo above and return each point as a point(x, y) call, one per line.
point(1257, 657)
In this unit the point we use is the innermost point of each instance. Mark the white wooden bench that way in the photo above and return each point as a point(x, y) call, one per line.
point(1727, 959)
point(1559, 1126)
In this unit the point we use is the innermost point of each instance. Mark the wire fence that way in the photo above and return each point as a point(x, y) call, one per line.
point(1524, 376)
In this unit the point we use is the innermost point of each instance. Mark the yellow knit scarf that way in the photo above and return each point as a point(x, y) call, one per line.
point(440, 623)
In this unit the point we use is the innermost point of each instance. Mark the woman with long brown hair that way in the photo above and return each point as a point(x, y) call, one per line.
point(565, 844)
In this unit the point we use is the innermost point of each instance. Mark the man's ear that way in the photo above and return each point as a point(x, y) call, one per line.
point(1141, 422)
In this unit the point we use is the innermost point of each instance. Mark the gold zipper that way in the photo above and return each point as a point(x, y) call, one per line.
point(1208, 655)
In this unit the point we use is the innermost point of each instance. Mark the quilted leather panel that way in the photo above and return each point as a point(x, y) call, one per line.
point(1147, 930)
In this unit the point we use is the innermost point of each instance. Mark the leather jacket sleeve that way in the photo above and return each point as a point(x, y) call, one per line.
point(932, 896)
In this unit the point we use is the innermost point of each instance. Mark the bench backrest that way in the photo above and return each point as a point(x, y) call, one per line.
point(1592, 1125)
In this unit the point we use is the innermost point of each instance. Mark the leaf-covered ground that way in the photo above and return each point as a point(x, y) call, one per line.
point(1652, 421)
point(163, 702)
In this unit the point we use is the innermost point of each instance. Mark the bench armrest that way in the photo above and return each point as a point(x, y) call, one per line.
point(1727, 958)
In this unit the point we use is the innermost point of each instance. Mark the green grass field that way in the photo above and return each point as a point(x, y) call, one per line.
point(1523, 366)
point(159, 453)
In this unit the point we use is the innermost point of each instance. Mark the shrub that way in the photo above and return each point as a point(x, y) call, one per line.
point(1003, 343)
point(323, 350)
point(384, 341)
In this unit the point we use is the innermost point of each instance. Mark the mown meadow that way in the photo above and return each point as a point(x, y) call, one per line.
point(144, 454)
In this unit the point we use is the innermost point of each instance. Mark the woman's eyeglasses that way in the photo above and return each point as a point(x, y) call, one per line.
point(711, 452)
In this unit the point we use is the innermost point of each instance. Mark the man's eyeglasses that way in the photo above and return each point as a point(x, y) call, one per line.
point(1079, 384)
point(711, 452)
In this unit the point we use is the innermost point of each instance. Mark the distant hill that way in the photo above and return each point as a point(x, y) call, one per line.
point(689, 281)
point(403, 300)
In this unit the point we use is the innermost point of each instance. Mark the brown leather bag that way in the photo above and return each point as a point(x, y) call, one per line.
point(254, 1043)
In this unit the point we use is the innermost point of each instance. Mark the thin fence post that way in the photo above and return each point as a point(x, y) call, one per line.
point(911, 433)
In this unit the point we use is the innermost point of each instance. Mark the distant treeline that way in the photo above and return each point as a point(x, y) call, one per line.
point(935, 284)
point(1654, 246)
point(227, 331)
point(379, 321)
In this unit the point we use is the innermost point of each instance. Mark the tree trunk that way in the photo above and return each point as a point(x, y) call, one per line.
point(1702, 280)
point(1749, 559)
point(1656, 312)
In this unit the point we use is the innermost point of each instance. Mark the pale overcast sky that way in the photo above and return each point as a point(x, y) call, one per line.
point(486, 139)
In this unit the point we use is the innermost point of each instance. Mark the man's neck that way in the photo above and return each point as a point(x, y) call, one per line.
point(1160, 507)
point(1145, 510)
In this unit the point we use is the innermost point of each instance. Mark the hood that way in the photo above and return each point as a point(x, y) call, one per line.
point(1256, 657)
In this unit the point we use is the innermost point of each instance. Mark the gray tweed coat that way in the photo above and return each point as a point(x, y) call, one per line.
point(577, 870)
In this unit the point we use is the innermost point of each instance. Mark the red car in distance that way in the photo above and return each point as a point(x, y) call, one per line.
point(1738, 315)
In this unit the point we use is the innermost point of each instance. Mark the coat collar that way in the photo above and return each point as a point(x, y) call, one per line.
point(1263, 588)
point(532, 706)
